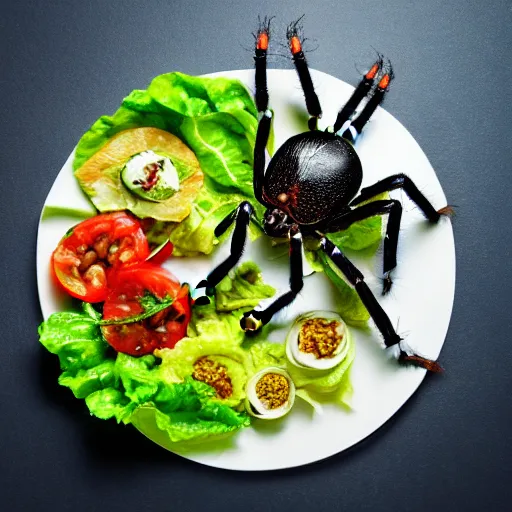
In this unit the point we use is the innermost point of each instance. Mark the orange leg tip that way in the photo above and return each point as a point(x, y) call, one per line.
point(373, 71)
point(262, 42)
point(428, 364)
point(295, 45)
point(447, 211)
point(384, 82)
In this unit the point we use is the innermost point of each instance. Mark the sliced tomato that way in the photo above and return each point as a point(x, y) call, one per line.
point(84, 256)
point(164, 329)
point(163, 254)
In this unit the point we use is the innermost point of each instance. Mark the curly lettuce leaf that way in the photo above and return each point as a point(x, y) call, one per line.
point(243, 288)
point(333, 384)
point(192, 95)
point(185, 429)
point(117, 385)
point(75, 338)
point(266, 353)
point(86, 381)
point(221, 145)
point(178, 363)
point(206, 321)
point(217, 119)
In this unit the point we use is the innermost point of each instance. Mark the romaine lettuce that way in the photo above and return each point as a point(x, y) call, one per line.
point(217, 119)
point(116, 385)
point(243, 288)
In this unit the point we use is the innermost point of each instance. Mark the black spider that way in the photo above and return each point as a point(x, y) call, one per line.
point(310, 187)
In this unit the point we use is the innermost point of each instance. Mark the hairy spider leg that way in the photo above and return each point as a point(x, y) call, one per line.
point(356, 126)
point(253, 320)
point(312, 103)
point(391, 241)
point(260, 63)
point(403, 181)
point(265, 115)
point(393, 208)
point(241, 217)
point(378, 315)
point(362, 90)
point(260, 144)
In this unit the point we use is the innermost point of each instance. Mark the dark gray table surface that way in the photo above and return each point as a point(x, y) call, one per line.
point(63, 64)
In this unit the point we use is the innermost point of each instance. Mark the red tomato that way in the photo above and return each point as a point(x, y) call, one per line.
point(82, 258)
point(163, 254)
point(162, 330)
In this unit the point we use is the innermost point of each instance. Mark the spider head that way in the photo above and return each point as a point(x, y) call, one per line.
point(277, 223)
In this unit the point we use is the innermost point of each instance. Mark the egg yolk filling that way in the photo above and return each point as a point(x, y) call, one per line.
point(215, 375)
point(320, 337)
point(273, 390)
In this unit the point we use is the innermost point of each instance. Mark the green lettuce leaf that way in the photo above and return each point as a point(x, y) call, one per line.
point(188, 429)
point(86, 381)
point(178, 363)
point(243, 288)
point(206, 321)
point(265, 353)
point(225, 154)
point(363, 235)
point(217, 119)
point(116, 385)
point(332, 385)
point(75, 338)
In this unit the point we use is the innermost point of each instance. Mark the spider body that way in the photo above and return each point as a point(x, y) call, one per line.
point(311, 187)
point(312, 175)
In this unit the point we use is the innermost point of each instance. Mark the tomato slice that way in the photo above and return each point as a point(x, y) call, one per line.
point(163, 254)
point(162, 330)
point(84, 256)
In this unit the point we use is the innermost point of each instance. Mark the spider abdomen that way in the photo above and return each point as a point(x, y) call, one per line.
point(313, 175)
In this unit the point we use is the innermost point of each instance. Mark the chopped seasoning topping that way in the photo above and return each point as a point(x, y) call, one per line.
point(214, 374)
point(319, 337)
point(273, 390)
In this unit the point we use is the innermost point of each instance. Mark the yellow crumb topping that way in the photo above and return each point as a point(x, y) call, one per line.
point(319, 337)
point(214, 374)
point(273, 390)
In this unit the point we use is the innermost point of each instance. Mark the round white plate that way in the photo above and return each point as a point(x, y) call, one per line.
point(419, 304)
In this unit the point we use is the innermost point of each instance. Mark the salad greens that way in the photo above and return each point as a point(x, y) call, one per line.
point(114, 385)
point(333, 384)
point(217, 119)
point(244, 289)
point(165, 394)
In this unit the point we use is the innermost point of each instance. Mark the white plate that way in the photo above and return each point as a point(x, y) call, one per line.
point(420, 302)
